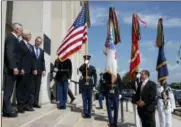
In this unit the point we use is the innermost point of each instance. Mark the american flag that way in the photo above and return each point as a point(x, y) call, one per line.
point(77, 35)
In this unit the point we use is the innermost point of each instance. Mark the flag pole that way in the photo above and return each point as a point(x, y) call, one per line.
point(86, 53)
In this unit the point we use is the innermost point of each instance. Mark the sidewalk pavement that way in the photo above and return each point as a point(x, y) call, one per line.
point(50, 116)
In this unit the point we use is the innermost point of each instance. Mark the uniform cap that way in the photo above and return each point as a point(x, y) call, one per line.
point(86, 57)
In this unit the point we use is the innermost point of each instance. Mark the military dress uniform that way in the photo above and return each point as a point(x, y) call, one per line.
point(100, 89)
point(165, 110)
point(112, 92)
point(63, 75)
point(88, 81)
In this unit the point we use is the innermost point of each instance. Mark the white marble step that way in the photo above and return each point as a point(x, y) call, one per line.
point(28, 117)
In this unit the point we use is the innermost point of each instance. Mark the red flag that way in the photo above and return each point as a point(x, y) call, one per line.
point(135, 54)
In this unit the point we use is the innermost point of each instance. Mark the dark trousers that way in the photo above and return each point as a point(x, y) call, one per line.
point(101, 98)
point(36, 88)
point(147, 118)
point(70, 94)
point(62, 92)
point(87, 100)
point(9, 83)
point(112, 101)
point(24, 91)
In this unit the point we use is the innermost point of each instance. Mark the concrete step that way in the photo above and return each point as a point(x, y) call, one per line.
point(28, 117)
point(48, 120)
point(68, 120)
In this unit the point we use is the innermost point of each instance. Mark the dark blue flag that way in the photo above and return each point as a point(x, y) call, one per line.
point(162, 67)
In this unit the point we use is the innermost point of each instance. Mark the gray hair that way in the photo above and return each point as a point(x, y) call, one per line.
point(26, 33)
point(17, 25)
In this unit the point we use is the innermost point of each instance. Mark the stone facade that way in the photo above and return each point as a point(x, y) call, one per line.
point(51, 20)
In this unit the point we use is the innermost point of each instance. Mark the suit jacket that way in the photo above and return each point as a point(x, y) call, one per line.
point(27, 57)
point(12, 53)
point(40, 61)
point(64, 69)
point(148, 95)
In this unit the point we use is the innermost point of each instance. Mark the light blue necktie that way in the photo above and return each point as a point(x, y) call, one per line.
point(37, 55)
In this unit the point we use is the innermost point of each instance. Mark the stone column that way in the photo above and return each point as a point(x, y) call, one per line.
point(29, 14)
point(3, 22)
point(46, 28)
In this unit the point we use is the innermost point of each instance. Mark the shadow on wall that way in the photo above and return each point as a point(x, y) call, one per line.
point(48, 85)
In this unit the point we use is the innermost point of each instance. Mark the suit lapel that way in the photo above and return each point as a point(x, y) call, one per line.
point(144, 87)
point(24, 44)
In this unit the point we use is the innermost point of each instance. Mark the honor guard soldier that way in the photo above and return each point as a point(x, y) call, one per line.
point(63, 76)
point(166, 105)
point(112, 93)
point(88, 81)
point(100, 88)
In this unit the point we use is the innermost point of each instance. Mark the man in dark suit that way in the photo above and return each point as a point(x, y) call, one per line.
point(40, 66)
point(11, 67)
point(146, 100)
point(24, 89)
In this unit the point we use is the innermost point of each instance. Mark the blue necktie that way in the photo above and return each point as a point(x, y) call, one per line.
point(37, 55)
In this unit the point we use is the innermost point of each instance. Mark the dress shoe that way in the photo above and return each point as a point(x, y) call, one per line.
point(114, 125)
point(62, 107)
point(88, 116)
point(84, 115)
point(12, 114)
point(20, 110)
point(37, 106)
point(72, 101)
point(28, 109)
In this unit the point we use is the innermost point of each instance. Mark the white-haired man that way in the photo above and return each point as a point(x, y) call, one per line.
point(11, 67)
point(24, 87)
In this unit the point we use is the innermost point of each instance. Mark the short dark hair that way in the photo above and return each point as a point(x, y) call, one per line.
point(38, 38)
point(146, 72)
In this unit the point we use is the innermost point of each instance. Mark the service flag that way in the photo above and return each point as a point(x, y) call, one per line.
point(113, 37)
point(161, 61)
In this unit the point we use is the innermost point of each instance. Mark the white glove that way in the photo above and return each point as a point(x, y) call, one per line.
point(54, 74)
point(86, 61)
point(55, 69)
point(68, 80)
point(172, 109)
point(44, 73)
point(120, 96)
point(138, 75)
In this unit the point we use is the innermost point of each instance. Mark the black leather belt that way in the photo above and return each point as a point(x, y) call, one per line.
point(63, 70)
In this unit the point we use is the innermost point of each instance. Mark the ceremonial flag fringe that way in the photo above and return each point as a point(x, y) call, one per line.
point(76, 36)
point(113, 37)
point(161, 61)
point(135, 53)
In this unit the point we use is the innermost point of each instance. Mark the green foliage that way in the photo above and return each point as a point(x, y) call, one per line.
point(126, 81)
point(175, 85)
